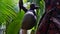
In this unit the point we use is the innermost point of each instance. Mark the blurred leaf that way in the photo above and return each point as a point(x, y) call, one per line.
point(14, 27)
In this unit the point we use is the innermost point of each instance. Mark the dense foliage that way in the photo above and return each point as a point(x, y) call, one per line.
point(11, 16)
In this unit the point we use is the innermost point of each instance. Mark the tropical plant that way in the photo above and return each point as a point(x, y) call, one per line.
point(11, 16)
